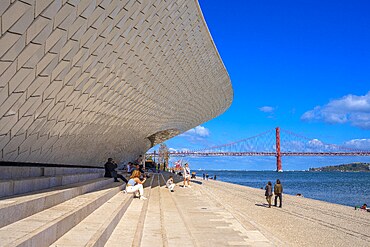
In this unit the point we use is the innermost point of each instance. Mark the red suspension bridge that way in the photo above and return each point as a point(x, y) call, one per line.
point(276, 142)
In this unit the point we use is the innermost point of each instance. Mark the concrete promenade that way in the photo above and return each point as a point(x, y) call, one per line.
point(215, 213)
point(187, 217)
point(85, 209)
point(300, 222)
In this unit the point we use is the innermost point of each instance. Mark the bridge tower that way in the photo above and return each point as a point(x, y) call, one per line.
point(279, 168)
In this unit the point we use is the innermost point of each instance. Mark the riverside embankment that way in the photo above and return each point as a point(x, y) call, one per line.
point(301, 221)
point(87, 209)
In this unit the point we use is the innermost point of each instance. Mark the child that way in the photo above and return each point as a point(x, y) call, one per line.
point(170, 184)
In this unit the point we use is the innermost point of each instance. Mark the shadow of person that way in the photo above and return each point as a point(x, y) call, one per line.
point(265, 205)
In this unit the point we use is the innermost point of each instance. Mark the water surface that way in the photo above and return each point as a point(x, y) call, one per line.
point(346, 188)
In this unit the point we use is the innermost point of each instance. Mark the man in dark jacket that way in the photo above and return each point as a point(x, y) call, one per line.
point(278, 191)
point(110, 171)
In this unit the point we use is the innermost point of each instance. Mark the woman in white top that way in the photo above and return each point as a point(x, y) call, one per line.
point(135, 185)
point(186, 175)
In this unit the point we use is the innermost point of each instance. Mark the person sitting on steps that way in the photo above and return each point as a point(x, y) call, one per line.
point(135, 185)
point(139, 168)
point(110, 171)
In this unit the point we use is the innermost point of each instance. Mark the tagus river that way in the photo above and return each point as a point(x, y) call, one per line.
point(346, 188)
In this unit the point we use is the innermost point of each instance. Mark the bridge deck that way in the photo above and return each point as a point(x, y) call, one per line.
point(201, 154)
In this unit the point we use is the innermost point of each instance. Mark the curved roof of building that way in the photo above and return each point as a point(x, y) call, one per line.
point(81, 81)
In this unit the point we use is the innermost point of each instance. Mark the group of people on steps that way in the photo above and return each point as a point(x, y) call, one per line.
point(134, 184)
point(137, 179)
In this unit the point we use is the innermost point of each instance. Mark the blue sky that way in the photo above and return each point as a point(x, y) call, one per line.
point(302, 65)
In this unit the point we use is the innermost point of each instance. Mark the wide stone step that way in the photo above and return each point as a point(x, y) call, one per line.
point(173, 227)
point(129, 229)
point(44, 228)
point(164, 224)
point(152, 234)
point(96, 228)
point(16, 208)
point(21, 186)
point(17, 172)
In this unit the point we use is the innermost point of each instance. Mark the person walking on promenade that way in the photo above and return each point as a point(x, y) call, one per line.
point(135, 185)
point(204, 176)
point(278, 191)
point(187, 175)
point(207, 176)
point(268, 193)
point(110, 171)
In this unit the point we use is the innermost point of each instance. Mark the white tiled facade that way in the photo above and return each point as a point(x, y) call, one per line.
point(83, 80)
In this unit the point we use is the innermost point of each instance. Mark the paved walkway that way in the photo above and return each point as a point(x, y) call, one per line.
point(300, 222)
point(186, 217)
point(210, 213)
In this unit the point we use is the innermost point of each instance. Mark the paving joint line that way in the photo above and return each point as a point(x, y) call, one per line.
point(161, 216)
point(235, 212)
point(140, 225)
point(184, 220)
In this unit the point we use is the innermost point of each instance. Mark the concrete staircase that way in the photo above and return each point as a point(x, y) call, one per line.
point(75, 207)
point(20, 180)
point(94, 211)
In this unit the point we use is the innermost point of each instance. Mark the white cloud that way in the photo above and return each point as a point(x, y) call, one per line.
point(315, 143)
point(362, 144)
point(351, 109)
point(179, 150)
point(268, 109)
point(198, 131)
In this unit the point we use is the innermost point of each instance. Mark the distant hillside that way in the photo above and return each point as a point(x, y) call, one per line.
point(353, 167)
